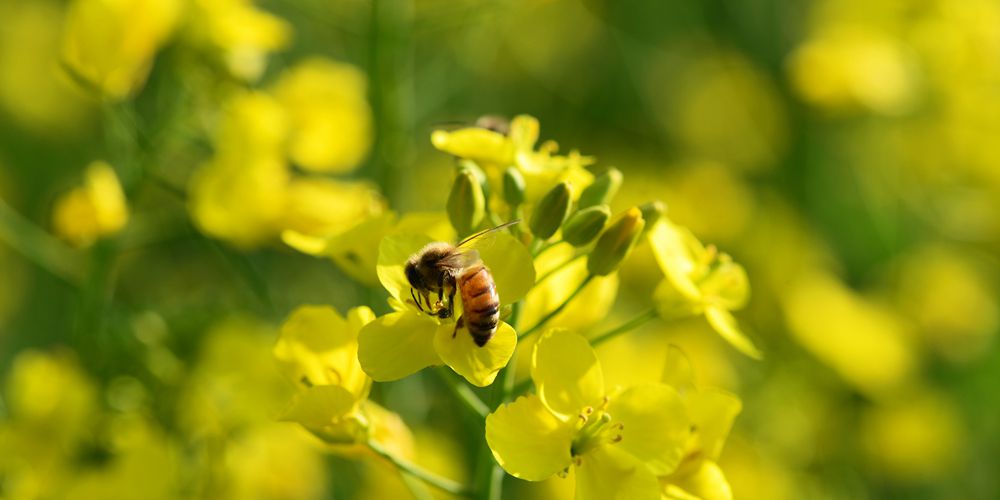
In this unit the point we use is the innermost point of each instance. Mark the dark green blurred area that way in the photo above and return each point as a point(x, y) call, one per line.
point(842, 150)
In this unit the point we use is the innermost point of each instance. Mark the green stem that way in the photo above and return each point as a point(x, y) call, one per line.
point(418, 472)
point(463, 392)
point(38, 246)
point(555, 312)
point(417, 487)
point(633, 323)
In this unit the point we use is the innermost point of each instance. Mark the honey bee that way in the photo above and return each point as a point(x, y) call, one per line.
point(444, 269)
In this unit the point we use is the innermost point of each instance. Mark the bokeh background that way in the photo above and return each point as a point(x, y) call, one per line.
point(844, 151)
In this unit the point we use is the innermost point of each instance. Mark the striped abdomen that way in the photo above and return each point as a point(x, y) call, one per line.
point(480, 303)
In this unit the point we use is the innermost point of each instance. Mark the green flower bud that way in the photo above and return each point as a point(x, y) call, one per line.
point(603, 189)
point(615, 243)
point(513, 187)
point(651, 212)
point(583, 226)
point(477, 172)
point(551, 211)
point(466, 203)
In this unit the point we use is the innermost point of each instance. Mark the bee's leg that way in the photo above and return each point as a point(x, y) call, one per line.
point(451, 301)
point(416, 301)
point(458, 324)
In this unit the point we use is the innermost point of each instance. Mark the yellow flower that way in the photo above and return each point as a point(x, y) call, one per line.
point(240, 195)
point(712, 413)
point(541, 168)
point(407, 340)
point(91, 211)
point(319, 208)
point(618, 443)
point(330, 117)
point(318, 352)
point(111, 43)
point(700, 280)
point(242, 34)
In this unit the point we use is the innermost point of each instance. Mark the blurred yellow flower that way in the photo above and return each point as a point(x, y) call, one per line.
point(329, 114)
point(845, 67)
point(700, 280)
point(32, 91)
point(868, 344)
point(913, 438)
point(91, 211)
point(240, 195)
point(111, 43)
point(618, 442)
point(242, 35)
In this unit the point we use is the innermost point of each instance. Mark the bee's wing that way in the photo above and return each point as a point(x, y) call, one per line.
point(461, 258)
point(481, 238)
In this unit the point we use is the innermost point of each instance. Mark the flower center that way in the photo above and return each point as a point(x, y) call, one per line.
point(597, 428)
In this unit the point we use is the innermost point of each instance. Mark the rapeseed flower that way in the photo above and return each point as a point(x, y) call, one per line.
point(407, 340)
point(92, 211)
point(700, 280)
point(110, 44)
point(617, 441)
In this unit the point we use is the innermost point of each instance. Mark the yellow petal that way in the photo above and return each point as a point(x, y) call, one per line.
point(528, 441)
point(327, 411)
point(672, 249)
point(712, 412)
point(510, 264)
point(677, 371)
point(566, 372)
point(591, 306)
point(705, 483)
point(392, 255)
point(724, 324)
point(319, 347)
point(477, 144)
point(479, 365)
point(607, 473)
point(332, 122)
point(397, 345)
point(657, 427)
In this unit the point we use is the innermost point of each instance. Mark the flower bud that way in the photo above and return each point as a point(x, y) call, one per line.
point(551, 211)
point(466, 203)
point(651, 213)
point(615, 243)
point(513, 187)
point(602, 190)
point(477, 173)
point(583, 226)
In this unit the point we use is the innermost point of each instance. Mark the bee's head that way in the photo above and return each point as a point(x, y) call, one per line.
point(413, 275)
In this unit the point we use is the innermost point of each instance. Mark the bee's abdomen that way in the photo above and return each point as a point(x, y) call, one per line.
point(480, 303)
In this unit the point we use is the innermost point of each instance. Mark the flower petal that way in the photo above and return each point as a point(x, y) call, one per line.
point(319, 347)
point(656, 425)
point(327, 411)
point(712, 412)
point(608, 473)
point(705, 483)
point(479, 365)
point(677, 371)
point(528, 441)
point(397, 344)
point(724, 324)
point(566, 372)
point(672, 247)
point(510, 264)
point(392, 255)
